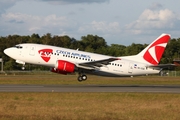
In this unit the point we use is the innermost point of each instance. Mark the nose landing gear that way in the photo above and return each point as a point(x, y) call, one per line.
point(23, 67)
point(21, 62)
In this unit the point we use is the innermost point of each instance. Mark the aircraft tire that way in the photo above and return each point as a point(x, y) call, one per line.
point(80, 79)
point(84, 77)
point(23, 68)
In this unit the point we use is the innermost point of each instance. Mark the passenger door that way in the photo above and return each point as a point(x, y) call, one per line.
point(32, 50)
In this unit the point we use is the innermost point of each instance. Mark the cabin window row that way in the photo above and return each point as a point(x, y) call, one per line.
point(78, 58)
point(115, 64)
point(73, 57)
point(18, 47)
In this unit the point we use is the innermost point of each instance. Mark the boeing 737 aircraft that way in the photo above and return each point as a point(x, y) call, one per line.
point(65, 61)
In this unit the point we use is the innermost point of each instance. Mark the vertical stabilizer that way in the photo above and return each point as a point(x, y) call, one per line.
point(153, 52)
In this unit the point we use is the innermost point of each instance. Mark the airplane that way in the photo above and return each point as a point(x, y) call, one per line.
point(66, 61)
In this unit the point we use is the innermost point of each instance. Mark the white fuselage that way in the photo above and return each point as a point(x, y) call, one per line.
point(34, 54)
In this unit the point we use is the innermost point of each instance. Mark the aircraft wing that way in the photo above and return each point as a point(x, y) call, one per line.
point(94, 64)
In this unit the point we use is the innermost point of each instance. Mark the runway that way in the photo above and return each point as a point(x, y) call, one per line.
point(92, 88)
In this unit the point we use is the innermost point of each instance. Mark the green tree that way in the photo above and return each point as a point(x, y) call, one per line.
point(10, 65)
point(91, 43)
point(172, 51)
point(116, 50)
point(46, 39)
point(35, 38)
point(134, 49)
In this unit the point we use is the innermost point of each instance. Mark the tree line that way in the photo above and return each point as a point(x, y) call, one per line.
point(89, 43)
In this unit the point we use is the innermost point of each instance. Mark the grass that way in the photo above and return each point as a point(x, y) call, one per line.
point(89, 106)
point(72, 79)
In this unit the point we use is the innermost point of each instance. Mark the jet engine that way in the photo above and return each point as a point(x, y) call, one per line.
point(63, 67)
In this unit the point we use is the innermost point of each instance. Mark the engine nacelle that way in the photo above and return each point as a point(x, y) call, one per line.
point(64, 66)
point(58, 71)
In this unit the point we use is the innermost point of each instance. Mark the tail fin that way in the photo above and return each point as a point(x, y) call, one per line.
point(153, 52)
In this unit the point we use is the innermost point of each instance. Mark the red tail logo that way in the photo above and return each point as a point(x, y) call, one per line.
point(45, 54)
point(155, 51)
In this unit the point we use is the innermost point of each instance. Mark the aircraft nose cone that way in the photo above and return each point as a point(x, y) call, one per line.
point(7, 51)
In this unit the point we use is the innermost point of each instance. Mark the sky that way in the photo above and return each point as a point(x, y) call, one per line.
point(117, 21)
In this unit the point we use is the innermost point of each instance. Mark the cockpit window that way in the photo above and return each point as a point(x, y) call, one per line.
point(18, 47)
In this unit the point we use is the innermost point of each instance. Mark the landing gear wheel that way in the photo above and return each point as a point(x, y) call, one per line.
point(80, 79)
point(84, 77)
point(23, 67)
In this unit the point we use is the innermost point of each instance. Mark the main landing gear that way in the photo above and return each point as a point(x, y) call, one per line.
point(82, 77)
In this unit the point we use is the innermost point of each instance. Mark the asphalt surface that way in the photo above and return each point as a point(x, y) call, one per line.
point(92, 88)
